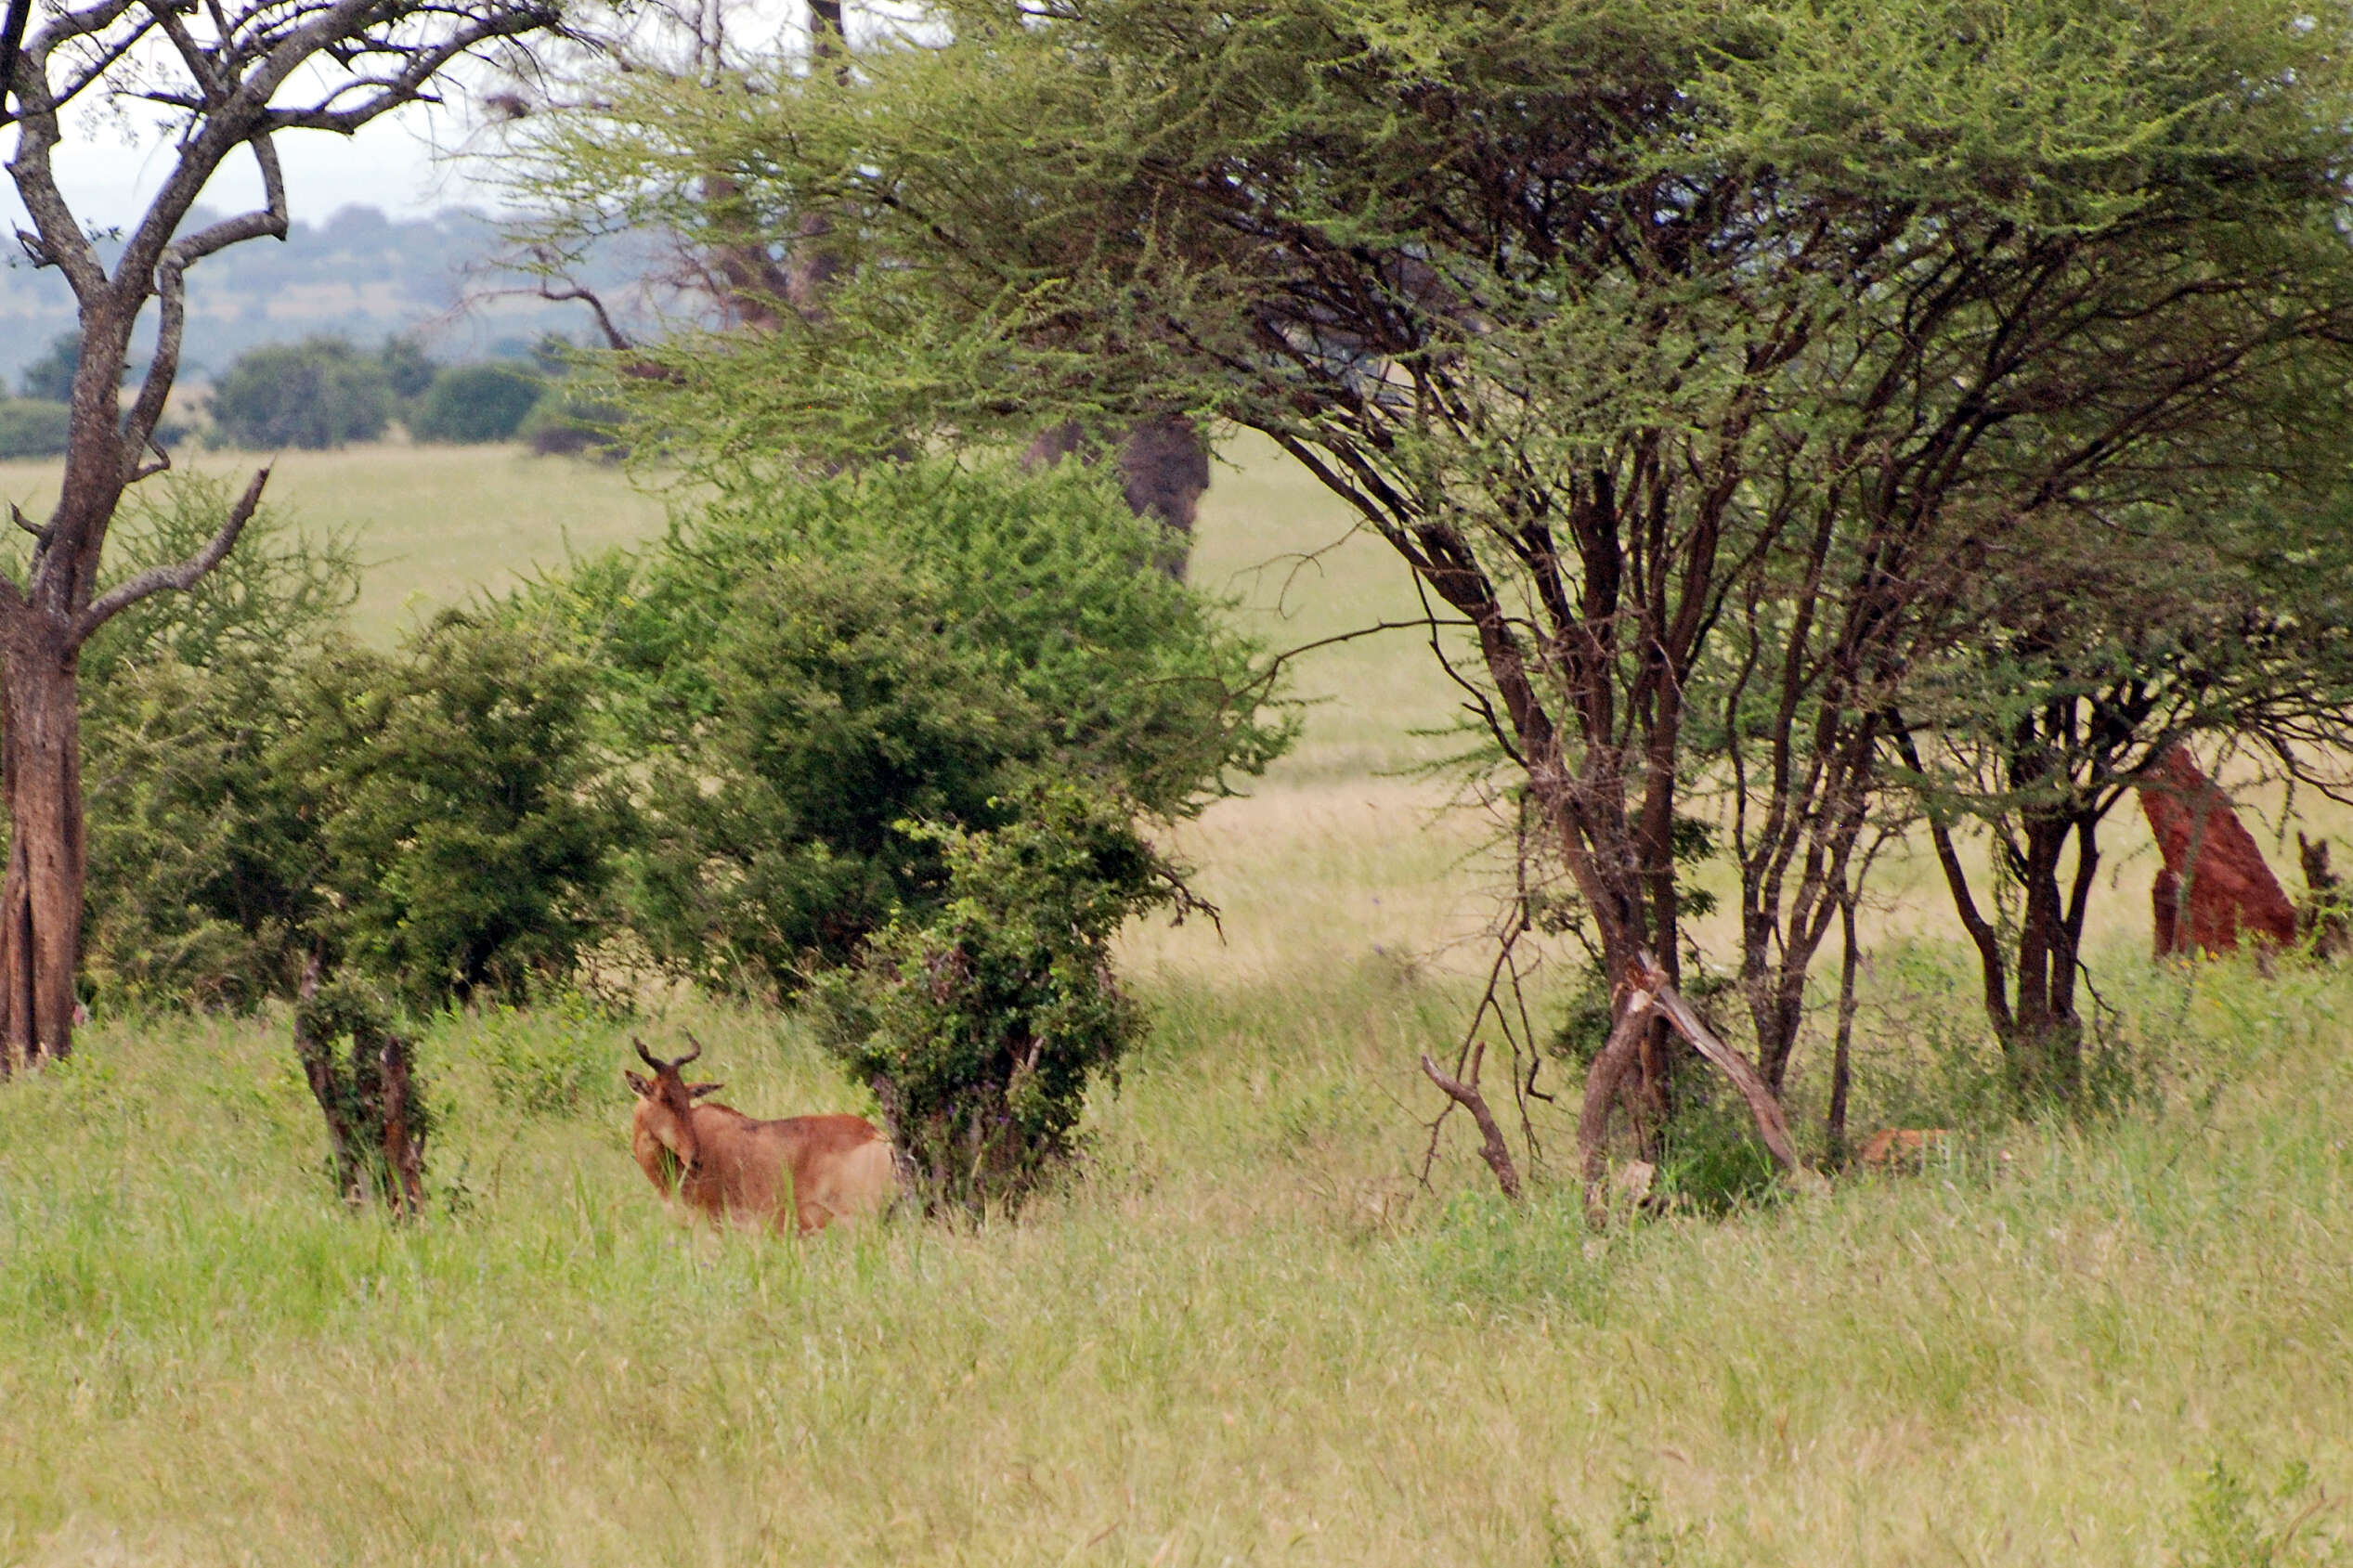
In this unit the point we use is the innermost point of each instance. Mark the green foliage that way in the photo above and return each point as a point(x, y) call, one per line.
point(465, 848)
point(34, 427)
point(2235, 1525)
point(573, 424)
point(548, 1059)
point(1493, 1255)
point(317, 393)
point(476, 402)
point(50, 378)
point(813, 666)
point(980, 1025)
point(408, 368)
point(201, 853)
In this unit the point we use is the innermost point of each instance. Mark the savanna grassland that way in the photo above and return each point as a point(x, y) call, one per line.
point(1245, 1333)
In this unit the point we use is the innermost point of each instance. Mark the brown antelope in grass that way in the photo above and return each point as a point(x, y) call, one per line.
point(712, 1159)
point(1905, 1148)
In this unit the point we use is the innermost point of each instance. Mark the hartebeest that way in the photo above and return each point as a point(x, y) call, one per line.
point(713, 1159)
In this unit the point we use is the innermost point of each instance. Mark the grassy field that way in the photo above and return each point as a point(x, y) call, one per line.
point(1246, 1334)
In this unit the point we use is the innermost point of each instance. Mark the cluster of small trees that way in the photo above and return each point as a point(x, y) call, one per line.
point(1814, 417)
point(322, 393)
point(840, 733)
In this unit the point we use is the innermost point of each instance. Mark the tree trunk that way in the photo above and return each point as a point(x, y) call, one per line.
point(41, 900)
point(1841, 1061)
point(2045, 1042)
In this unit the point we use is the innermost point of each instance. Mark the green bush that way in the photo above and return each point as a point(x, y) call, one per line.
point(315, 393)
point(470, 403)
point(565, 426)
point(32, 427)
point(811, 667)
point(980, 1024)
point(549, 1060)
point(465, 850)
point(202, 860)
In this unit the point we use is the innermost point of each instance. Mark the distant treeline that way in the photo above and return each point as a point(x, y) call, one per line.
point(358, 275)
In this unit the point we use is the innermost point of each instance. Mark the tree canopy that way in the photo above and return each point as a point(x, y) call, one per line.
point(1720, 366)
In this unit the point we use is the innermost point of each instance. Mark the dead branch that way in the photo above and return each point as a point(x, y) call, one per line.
point(1493, 1149)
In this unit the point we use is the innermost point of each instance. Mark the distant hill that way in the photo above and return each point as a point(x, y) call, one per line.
point(359, 273)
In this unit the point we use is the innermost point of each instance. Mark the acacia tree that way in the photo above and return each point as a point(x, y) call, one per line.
point(229, 78)
point(2211, 613)
point(1709, 361)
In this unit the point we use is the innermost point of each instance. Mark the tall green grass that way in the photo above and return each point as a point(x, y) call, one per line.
point(1243, 1334)
point(1246, 1332)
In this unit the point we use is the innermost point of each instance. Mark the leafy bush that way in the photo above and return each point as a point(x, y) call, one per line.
point(813, 665)
point(465, 849)
point(315, 393)
point(982, 1024)
point(32, 427)
point(778, 828)
point(546, 1061)
point(408, 368)
point(202, 858)
point(261, 793)
point(470, 403)
point(566, 425)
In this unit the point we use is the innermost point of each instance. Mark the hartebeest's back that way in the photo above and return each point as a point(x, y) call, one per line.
point(714, 1159)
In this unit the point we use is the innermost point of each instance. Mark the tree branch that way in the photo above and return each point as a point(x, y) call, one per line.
point(185, 575)
point(1493, 1149)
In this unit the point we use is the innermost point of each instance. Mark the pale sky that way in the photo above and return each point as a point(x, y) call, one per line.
point(391, 165)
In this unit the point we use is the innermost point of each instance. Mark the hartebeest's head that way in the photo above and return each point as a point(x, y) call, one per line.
point(663, 1137)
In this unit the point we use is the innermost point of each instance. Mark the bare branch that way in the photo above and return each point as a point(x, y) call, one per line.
point(574, 293)
point(171, 289)
point(185, 575)
point(1493, 1149)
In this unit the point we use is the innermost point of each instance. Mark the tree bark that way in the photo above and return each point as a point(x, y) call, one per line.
point(41, 900)
point(1492, 1146)
point(1655, 998)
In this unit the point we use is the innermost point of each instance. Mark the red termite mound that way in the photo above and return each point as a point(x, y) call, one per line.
point(2231, 891)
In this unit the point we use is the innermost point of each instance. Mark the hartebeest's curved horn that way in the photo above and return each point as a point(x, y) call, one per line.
point(693, 1054)
point(643, 1055)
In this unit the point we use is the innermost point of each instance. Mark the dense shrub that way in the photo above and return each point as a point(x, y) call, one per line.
point(476, 402)
point(812, 666)
point(202, 860)
point(465, 849)
point(565, 424)
point(980, 1023)
point(32, 427)
point(408, 368)
point(261, 792)
point(315, 393)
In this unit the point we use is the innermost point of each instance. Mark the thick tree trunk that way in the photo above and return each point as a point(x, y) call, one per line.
point(41, 900)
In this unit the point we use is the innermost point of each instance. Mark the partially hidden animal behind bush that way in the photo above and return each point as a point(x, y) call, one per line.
point(980, 1023)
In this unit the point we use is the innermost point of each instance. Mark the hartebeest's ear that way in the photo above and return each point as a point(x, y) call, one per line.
point(642, 1086)
point(699, 1090)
